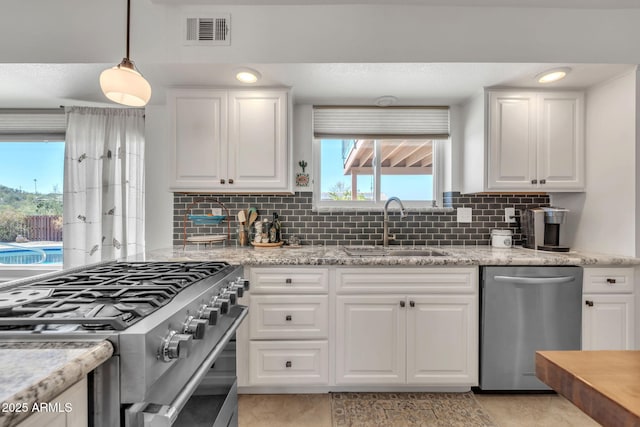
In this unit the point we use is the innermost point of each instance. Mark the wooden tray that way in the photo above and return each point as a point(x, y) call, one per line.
point(207, 239)
point(267, 245)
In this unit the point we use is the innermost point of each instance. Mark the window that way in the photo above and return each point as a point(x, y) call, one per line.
point(31, 185)
point(364, 172)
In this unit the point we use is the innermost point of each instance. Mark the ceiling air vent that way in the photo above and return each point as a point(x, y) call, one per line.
point(214, 31)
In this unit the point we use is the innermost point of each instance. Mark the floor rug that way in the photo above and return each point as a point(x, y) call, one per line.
point(407, 409)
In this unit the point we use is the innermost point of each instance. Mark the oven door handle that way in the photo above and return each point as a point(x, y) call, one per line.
point(145, 414)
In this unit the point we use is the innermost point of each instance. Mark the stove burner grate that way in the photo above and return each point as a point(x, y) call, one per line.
point(110, 297)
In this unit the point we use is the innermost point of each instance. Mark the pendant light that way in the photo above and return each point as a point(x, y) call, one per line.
point(123, 83)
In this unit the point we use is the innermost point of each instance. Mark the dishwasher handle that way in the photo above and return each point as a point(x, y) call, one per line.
point(519, 280)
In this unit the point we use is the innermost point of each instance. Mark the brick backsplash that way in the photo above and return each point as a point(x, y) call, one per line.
point(356, 228)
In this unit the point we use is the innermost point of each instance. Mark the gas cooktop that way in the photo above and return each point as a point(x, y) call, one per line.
point(111, 296)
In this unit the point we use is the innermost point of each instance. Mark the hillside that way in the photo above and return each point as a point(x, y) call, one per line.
point(29, 203)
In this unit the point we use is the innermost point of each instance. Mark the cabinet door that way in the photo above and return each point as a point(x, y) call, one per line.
point(198, 135)
point(560, 141)
point(512, 141)
point(607, 322)
point(442, 340)
point(370, 339)
point(258, 140)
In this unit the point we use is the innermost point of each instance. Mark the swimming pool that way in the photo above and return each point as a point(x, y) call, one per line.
point(31, 255)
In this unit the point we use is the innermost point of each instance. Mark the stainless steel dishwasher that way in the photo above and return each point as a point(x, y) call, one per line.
point(525, 309)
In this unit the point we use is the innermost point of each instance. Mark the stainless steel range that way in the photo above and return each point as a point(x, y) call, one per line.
point(172, 325)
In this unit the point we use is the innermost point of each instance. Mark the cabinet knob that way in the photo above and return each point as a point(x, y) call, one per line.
point(589, 303)
point(222, 181)
point(288, 280)
point(402, 303)
point(611, 281)
point(288, 364)
point(288, 318)
point(534, 181)
point(543, 181)
point(230, 180)
point(412, 304)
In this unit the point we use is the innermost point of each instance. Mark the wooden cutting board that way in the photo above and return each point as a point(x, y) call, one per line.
point(603, 384)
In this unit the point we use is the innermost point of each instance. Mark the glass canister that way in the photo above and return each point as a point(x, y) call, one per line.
point(501, 238)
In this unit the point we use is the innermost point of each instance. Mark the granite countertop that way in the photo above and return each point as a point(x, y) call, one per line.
point(335, 255)
point(36, 372)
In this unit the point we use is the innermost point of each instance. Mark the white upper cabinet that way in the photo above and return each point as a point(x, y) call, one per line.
point(560, 156)
point(533, 141)
point(512, 140)
point(229, 141)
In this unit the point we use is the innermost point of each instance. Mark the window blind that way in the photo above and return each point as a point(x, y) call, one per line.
point(381, 122)
point(33, 125)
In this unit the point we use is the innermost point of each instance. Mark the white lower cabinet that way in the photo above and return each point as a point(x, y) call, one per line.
point(288, 363)
point(428, 337)
point(287, 339)
point(69, 409)
point(608, 309)
point(370, 340)
point(398, 339)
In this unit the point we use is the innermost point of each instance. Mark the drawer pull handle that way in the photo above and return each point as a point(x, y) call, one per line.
point(230, 180)
point(288, 318)
point(611, 281)
point(589, 303)
point(288, 280)
point(288, 364)
point(412, 304)
point(402, 303)
point(222, 181)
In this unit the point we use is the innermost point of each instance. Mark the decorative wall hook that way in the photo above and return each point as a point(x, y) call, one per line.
point(302, 164)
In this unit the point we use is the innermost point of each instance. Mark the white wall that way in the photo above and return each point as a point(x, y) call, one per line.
point(603, 219)
point(473, 158)
point(46, 31)
point(158, 198)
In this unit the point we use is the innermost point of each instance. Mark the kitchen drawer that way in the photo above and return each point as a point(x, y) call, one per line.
point(406, 280)
point(608, 280)
point(288, 362)
point(290, 280)
point(289, 317)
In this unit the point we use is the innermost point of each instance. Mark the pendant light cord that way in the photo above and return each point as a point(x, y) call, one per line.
point(128, 24)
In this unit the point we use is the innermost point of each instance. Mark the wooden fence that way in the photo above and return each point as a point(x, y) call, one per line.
point(44, 228)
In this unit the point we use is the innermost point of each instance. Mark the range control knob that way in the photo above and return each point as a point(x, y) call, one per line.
point(220, 303)
point(238, 288)
point(209, 313)
point(231, 294)
point(175, 346)
point(195, 327)
point(243, 282)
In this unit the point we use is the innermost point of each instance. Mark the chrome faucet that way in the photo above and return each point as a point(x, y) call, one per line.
point(385, 220)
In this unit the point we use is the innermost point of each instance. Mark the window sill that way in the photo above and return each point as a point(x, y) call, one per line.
point(418, 209)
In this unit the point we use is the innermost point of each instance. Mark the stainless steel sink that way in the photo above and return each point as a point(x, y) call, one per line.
point(382, 251)
point(365, 250)
point(414, 252)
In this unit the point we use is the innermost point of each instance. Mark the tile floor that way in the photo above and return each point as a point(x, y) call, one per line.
point(314, 410)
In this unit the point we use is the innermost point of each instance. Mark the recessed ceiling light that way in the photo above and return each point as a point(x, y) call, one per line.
point(554, 75)
point(247, 75)
point(386, 101)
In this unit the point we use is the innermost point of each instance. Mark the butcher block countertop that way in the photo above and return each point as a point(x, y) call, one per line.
point(32, 373)
point(335, 255)
point(603, 384)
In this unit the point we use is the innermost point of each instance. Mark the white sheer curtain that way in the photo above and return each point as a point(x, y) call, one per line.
point(103, 184)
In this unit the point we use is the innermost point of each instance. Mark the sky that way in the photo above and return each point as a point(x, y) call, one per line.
point(22, 162)
point(405, 187)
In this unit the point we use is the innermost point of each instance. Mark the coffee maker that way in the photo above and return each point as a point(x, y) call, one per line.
point(541, 228)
